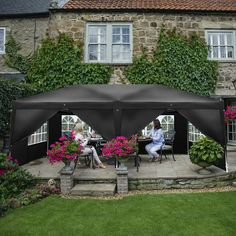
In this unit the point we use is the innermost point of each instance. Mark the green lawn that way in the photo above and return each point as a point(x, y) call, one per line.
point(165, 214)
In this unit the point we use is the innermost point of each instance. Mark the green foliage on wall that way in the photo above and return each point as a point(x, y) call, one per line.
point(10, 90)
point(15, 60)
point(179, 62)
point(57, 63)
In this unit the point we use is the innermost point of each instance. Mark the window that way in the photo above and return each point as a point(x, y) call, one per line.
point(68, 123)
point(2, 40)
point(109, 43)
point(221, 44)
point(167, 123)
point(193, 133)
point(39, 136)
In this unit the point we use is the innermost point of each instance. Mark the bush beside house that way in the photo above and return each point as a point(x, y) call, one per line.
point(18, 187)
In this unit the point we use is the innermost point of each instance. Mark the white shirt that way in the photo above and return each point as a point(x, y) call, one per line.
point(80, 137)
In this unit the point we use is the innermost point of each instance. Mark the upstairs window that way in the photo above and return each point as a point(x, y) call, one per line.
point(2, 40)
point(221, 44)
point(109, 43)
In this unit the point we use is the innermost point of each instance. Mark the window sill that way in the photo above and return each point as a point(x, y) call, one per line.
point(223, 61)
point(111, 63)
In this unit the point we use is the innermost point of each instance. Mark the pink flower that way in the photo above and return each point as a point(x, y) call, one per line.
point(2, 171)
point(63, 138)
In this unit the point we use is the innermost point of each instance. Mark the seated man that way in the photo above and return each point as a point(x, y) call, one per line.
point(157, 136)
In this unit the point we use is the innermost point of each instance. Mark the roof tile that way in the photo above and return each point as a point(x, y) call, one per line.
point(191, 5)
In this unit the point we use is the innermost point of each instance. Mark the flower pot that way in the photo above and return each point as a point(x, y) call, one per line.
point(204, 170)
point(122, 161)
point(67, 166)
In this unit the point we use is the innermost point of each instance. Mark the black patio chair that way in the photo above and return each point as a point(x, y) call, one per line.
point(169, 138)
point(88, 159)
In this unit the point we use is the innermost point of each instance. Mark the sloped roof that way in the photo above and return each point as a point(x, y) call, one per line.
point(24, 7)
point(185, 5)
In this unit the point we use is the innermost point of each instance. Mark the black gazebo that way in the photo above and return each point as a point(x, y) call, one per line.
point(117, 110)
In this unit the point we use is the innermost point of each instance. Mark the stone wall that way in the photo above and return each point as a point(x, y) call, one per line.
point(182, 183)
point(146, 28)
point(27, 31)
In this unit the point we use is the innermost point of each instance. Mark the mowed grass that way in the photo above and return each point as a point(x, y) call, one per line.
point(158, 214)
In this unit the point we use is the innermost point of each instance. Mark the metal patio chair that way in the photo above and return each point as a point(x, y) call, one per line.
point(168, 145)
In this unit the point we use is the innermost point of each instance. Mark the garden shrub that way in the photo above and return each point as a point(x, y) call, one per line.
point(18, 187)
point(57, 63)
point(13, 178)
point(206, 150)
point(179, 62)
point(11, 90)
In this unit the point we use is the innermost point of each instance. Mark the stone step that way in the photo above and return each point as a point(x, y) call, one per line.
point(93, 190)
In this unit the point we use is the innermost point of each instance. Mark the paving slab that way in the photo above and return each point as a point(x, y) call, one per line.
point(93, 190)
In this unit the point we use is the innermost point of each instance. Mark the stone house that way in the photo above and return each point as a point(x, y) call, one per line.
point(27, 22)
point(115, 31)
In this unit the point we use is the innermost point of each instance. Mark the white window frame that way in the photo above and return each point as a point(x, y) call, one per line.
point(193, 133)
point(39, 133)
point(219, 31)
point(73, 117)
point(109, 43)
point(4, 40)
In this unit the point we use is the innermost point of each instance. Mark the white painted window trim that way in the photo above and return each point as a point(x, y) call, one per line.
point(4, 40)
point(194, 132)
point(222, 31)
point(109, 44)
point(37, 133)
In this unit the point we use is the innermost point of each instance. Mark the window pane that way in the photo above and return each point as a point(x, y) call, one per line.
point(215, 39)
point(209, 39)
point(115, 30)
point(120, 52)
point(97, 34)
point(125, 30)
point(103, 52)
point(116, 52)
point(115, 38)
point(229, 39)
point(1, 40)
point(125, 38)
point(93, 52)
point(93, 30)
point(215, 52)
point(93, 38)
point(230, 52)
point(222, 52)
point(222, 39)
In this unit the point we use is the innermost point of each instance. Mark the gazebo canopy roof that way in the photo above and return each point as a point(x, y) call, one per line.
point(109, 95)
point(117, 109)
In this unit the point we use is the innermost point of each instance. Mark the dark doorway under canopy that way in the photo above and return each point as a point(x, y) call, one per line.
point(118, 109)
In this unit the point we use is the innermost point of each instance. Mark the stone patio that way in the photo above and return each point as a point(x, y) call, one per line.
point(182, 167)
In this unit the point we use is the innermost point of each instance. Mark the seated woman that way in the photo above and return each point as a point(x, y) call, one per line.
point(157, 136)
point(84, 141)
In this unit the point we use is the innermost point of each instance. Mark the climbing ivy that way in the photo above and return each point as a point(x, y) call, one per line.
point(57, 63)
point(14, 59)
point(11, 90)
point(179, 62)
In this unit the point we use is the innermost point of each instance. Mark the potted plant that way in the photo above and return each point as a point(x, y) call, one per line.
point(66, 150)
point(205, 152)
point(119, 148)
